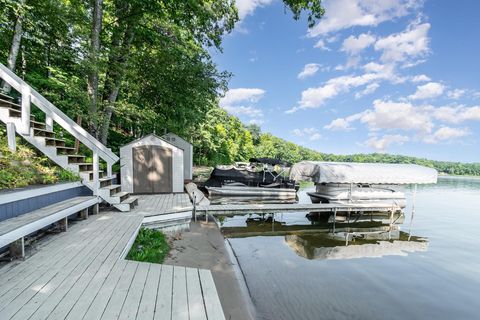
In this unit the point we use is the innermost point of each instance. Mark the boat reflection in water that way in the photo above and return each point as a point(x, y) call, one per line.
point(326, 237)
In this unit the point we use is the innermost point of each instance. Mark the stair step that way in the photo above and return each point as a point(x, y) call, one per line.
point(43, 133)
point(54, 142)
point(38, 125)
point(9, 104)
point(84, 166)
point(75, 158)
point(18, 114)
point(5, 96)
point(114, 188)
point(65, 150)
point(122, 195)
point(131, 199)
point(127, 204)
point(105, 182)
point(90, 174)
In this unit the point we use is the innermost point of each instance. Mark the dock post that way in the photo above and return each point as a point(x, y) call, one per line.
point(334, 218)
point(413, 212)
point(195, 206)
point(84, 214)
point(63, 224)
point(95, 208)
point(17, 248)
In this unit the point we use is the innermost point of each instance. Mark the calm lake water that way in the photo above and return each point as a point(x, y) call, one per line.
point(313, 275)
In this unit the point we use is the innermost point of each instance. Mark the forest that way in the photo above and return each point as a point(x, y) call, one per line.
point(123, 69)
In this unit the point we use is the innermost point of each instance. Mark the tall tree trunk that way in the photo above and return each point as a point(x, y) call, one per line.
point(15, 48)
point(92, 85)
point(115, 74)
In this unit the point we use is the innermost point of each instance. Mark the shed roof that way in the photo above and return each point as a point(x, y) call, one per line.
point(177, 136)
point(147, 136)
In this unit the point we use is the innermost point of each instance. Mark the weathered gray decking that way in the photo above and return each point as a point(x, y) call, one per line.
point(163, 204)
point(81, 274)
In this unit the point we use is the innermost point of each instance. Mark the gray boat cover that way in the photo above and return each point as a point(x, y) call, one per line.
point(368, 173)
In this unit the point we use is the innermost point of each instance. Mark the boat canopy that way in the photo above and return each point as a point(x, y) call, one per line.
point(368, 173)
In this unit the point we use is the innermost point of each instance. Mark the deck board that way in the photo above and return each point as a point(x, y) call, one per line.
point(160, 204)
point(81, 274)
point(146, 310)
point(179, 296)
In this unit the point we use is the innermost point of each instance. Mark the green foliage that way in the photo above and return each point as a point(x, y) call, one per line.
point(149, 246)
point(25, 167)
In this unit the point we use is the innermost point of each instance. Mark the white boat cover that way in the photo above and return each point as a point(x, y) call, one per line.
point(368, 173)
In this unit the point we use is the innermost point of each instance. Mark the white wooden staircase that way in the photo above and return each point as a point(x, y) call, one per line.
point(19, 120)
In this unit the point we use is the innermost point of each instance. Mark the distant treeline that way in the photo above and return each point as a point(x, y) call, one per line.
point(223, 139)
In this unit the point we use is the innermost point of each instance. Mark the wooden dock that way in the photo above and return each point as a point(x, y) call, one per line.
point(81, 274)
point(159, 204)
point(284, 207)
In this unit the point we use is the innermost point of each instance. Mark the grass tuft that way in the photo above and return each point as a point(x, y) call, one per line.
point(149, 246)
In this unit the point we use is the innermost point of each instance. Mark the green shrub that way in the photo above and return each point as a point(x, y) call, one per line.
point(149, 246)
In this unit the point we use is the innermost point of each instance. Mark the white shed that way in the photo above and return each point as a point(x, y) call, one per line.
point(151, 165)
point(187, 153)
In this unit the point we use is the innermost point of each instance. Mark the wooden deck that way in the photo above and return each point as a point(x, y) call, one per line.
point(158, 204)
point(273, 208)
point(81, 274)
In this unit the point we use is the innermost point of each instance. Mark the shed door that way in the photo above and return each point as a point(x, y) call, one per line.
point(152, 169)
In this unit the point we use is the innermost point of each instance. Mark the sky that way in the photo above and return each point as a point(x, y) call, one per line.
point(392, 76)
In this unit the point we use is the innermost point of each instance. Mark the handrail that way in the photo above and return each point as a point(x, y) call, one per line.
point(59, 117)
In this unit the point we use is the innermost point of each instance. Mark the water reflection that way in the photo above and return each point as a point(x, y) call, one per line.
point(325, 236)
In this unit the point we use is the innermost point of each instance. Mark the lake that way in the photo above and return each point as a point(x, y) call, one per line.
point(311, 274)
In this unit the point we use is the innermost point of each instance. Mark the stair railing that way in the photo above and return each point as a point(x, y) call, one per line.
point(53, 114)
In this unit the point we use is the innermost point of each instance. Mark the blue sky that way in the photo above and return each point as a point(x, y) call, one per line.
point(395, 76)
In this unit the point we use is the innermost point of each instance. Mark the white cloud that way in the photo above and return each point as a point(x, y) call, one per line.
point(371, 88)
point(456, 94)
point(258, 122)
point(353, 45)
point(456, 114)
point(352, 61)
point(309, 70)
point(235, 99)
point(321, 45)
point(381, 144)
point(404, 46)
point(390, 115)
point(316, 97)
point(342, 14)
point(420, 78)
point(342, 124)
point(248, 111)
point(237, 95)
point(247, 7)
point(446, 134)
point(311, 133)
point(427, 91)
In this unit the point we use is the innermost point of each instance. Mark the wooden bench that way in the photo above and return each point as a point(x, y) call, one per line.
point(13, 231)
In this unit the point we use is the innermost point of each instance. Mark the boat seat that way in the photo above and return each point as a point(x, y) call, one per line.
point(13, 230)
